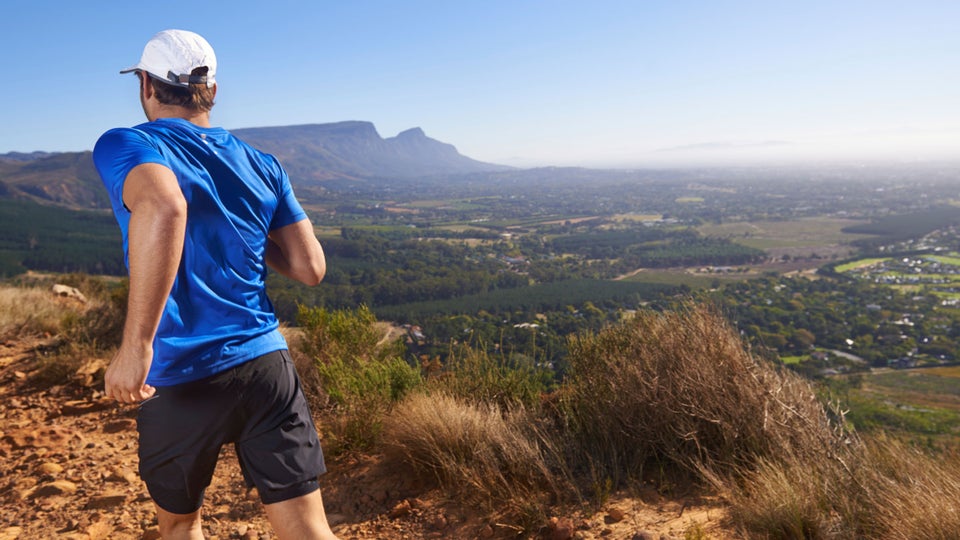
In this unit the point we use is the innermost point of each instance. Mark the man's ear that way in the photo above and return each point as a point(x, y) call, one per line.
point(146, 86)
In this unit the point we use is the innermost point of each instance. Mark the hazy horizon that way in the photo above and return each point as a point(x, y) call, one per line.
point(618, 84)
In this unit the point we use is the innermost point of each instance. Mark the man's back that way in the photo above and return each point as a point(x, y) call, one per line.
point(218, 314)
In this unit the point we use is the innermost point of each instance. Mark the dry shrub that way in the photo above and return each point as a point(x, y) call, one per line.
point(488, 456)
point(681, 387)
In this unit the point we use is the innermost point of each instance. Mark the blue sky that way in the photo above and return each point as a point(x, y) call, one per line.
point(593, 83)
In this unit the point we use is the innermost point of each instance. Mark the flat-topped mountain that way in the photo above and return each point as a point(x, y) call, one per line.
point(311, 154)
point(355, 149)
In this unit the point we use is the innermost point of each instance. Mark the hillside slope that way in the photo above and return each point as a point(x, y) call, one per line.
point(69, 457)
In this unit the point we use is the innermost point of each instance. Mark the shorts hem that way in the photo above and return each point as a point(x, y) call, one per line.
point(173, 508)
point(292, 492)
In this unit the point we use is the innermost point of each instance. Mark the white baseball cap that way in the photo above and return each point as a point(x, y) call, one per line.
point(171, 55)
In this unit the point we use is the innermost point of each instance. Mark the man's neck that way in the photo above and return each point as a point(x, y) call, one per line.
point(199, 118)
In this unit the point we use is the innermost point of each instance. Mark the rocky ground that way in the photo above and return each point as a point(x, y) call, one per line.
point(68, 458)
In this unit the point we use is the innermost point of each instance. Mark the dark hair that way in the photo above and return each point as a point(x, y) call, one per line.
point(196, 97)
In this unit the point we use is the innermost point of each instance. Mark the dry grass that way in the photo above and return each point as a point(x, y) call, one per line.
point(491, 457)
point(890, 490)
point(78, 331)
point(788, 498)
point(674, 396)
point(29, 311)
point(681, 387)
point(912, 494)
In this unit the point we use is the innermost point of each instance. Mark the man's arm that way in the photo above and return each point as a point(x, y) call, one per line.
point(294, 251)
point(158, 218)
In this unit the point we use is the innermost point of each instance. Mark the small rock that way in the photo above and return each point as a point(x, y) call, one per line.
point(561, 528)
point(67, 291)
point(121, 474)
point(106, 501)
point(10, 533)
point(123, 424)
point(439, 522)
point(242, 530)
point(614, 515)
point(50, 468)
point(151, 533)
point(71, 525)
point(401, 509)
point(644, 535)
point(57, 487)
point(91, 373)
point(99, 530)
point(35, 456)
point(485, 532)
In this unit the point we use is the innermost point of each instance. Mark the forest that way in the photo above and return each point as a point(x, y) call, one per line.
point(55, 239)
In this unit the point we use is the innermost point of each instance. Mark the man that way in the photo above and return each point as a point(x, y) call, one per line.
point(203, 215)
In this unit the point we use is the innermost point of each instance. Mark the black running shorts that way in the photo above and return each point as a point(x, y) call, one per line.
point(258, 406)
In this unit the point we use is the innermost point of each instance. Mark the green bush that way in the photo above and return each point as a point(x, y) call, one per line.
point(363, 394)
point(362, 373)
point(474, 375)
point(349, 335)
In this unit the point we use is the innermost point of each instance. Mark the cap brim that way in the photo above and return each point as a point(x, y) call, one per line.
point(131, 69)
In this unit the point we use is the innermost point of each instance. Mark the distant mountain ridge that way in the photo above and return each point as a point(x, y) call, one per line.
point(354, 149)
point(311, 153)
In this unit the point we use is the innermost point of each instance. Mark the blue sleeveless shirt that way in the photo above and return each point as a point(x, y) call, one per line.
point(217, 315)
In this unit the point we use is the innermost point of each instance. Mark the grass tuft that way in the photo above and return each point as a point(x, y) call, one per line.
point(489, 456)
point(681, 388)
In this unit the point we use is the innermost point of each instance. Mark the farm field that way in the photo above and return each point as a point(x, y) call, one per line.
point(804, 237)
point(679, 277)
point(923, 401)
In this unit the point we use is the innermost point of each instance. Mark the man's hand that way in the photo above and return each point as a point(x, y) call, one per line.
point(125, 379)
